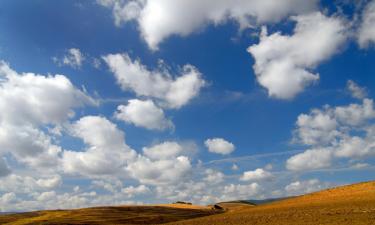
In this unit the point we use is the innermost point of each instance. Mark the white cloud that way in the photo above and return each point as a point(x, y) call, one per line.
point(256, 175)
point(160, 172)
point(355, 90)
point(306, 186)
point(219, 146)
point(132, 191)
point(36, 99)
point(107, 152)
point(73, 58)
point(213, 176)
point(29, 102)
point(356, 114)
point(143, 113)
point(323, 126)
point(357, 147)
point(310, 159)
point(316, 128)
point(159, 19)
point(172, 91)
point(50, 183)
point(283, 62)
point(334, 132)
point(240, 191)
point(366, 33)
point(165, 150)
point(7, 199)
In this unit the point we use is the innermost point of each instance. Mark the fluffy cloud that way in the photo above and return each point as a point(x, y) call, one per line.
point(132, 191)
point(310, 159)
point(37, 99)
point(23, 184)
point(219, 145)
point(355, 90)
point(334, 133)
point(213, 176)
point(160, 172)
point(240, 191)
point(143, 113)
point(159, 19)
point(366, 33)
point(256, 175)
point(50, 183)
point(74, 58)
point(160, 84)
point(303, 187)
point(29, 102)
point(282, 62)
point(165, 150)
point(318, 127)
point(107, 151)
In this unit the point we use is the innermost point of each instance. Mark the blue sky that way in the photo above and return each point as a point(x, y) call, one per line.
point(129, 102)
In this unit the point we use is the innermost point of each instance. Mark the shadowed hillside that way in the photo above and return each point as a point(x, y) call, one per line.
point(110, 215)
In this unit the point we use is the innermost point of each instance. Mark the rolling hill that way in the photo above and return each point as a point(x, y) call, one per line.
point(352, 204)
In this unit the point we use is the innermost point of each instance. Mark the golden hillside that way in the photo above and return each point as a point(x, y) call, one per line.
point(347, 205)
point(352, 204)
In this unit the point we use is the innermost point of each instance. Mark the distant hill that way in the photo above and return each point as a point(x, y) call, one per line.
point(153, 214)
point(346, 205)
point(265, 201)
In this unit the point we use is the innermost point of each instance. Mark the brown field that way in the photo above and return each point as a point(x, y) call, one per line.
point(348, 205)
point(353, 204)
point(152, 214)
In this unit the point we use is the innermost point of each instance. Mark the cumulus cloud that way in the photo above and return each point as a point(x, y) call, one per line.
point(240, 191)
point(283, 62)
point(334, 133)
point(73, 58)
point(159, 19)
point(50, 183)
point(318, 127)
point(143, 113)
point(355, 90)
point(310, 159)
point(306, 186)
point(172, 91)
point(160, 172)
point(366, 33)
point(213, 176)
point(107, 152)
point(256, 175)
point(29, 102)
point(165, 150)
point(132, 191)
point(219, 146)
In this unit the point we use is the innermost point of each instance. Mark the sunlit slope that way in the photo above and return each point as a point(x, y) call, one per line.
point(353, 204)
point(110, 215)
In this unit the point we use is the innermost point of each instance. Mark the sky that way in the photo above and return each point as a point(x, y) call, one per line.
point(113, 102)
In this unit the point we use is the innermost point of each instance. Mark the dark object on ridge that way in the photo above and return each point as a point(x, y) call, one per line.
point(218, 207)
point(181, 202)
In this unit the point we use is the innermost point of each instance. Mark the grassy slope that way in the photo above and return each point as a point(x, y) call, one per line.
point(353, 204)
point(109, 215)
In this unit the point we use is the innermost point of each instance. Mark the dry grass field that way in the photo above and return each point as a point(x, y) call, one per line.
point(110, 215)
point(347, 205)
